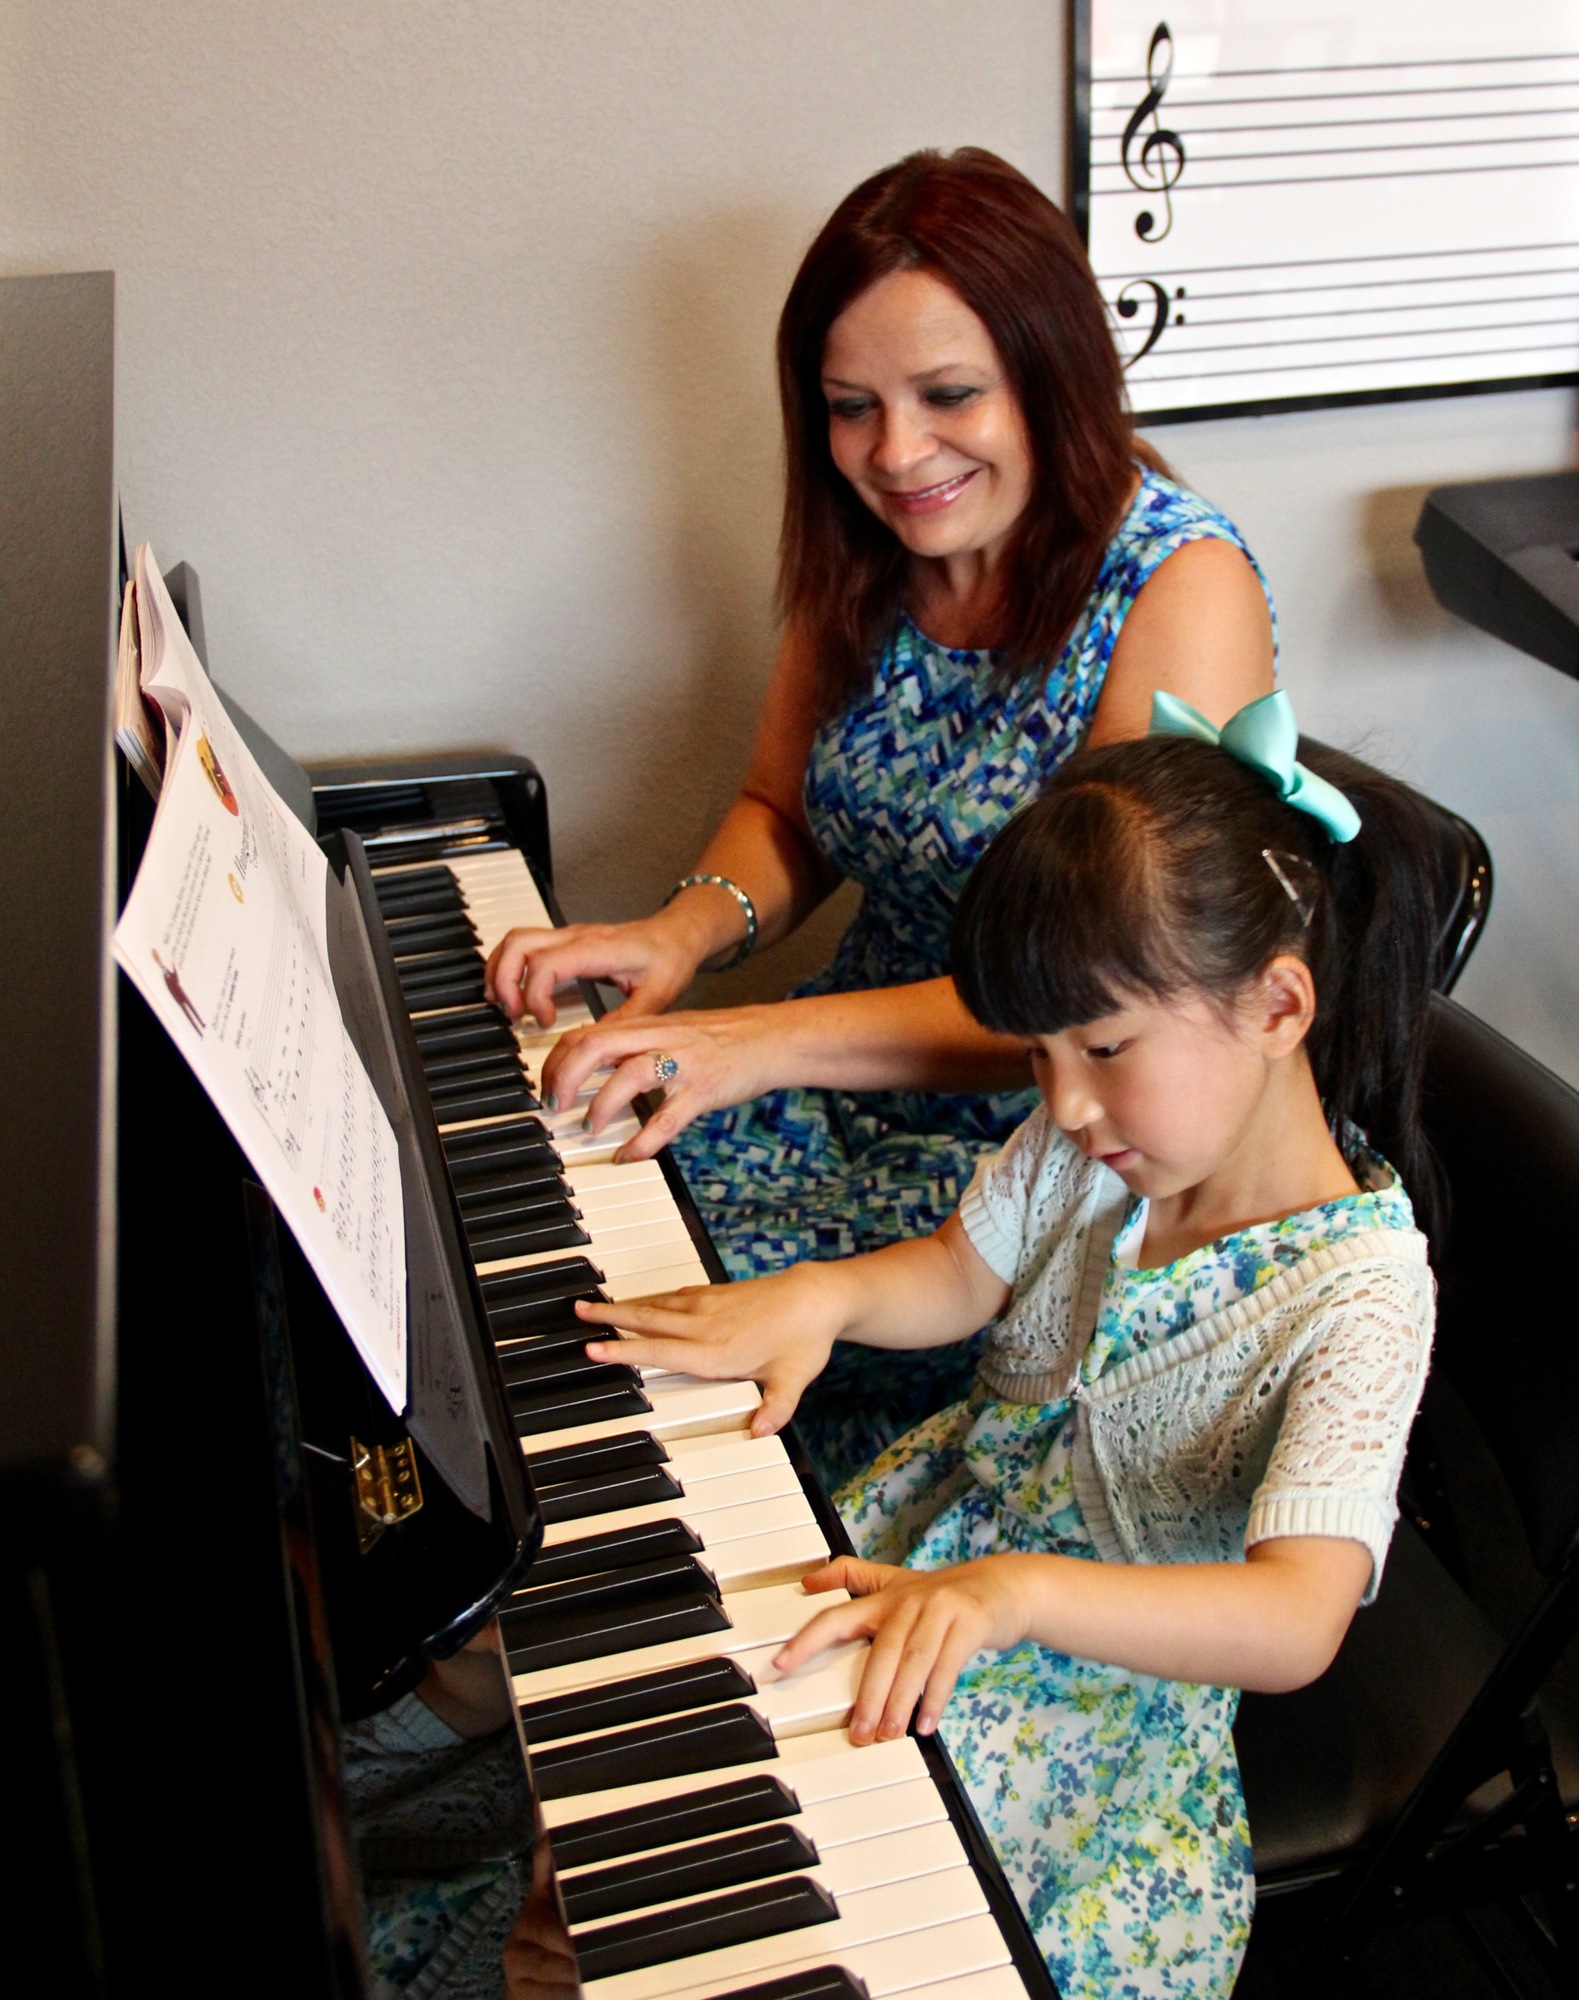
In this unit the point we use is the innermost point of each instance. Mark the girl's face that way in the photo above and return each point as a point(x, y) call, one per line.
point(922, 420)
point(1164, 1092)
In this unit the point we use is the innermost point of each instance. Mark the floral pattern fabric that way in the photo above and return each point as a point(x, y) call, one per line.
point(1112, 1799)
point(905, 788)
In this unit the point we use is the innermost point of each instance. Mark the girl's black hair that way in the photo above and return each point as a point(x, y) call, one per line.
point(1165, 865)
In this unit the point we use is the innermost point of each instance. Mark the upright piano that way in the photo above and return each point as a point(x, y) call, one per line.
point(309, 1696)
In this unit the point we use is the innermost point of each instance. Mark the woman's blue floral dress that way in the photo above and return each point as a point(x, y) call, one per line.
point(904, 790)
point(1112, 1799)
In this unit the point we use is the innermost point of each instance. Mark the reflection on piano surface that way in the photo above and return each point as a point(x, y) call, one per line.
point(300, 1715)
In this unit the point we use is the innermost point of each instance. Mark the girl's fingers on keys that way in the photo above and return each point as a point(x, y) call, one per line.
point(946, 1669)
point(891, 1624)
point(828, 1628)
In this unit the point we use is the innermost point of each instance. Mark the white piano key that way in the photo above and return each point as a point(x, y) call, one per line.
point(721, 1458)
point(818, 1769)
point(819, 1696)
point(829, 1823)
point(908, 1855)
point(867, 1917)
point(710, 1510)
point(708, 1407)
point(755, 1560)
point(966, 1960)
point(757, 1618)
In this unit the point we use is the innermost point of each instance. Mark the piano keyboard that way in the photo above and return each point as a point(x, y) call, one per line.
point(714, 1832)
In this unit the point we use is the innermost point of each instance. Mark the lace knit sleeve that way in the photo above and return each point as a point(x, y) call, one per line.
point(996, 1207)
point(1335, 1467)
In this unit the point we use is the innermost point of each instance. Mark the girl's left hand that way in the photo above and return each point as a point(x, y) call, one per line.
point(923, 1624)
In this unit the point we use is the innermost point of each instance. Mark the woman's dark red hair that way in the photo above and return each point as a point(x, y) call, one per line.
point(1015, 260)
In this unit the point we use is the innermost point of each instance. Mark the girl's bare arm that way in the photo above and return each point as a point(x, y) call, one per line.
point(780, 1330)
point(1271, 1623)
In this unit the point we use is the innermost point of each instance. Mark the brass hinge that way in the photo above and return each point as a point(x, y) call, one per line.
point(387, 1487)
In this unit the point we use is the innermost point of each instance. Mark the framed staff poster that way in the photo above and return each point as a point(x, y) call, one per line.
point(1340, 202)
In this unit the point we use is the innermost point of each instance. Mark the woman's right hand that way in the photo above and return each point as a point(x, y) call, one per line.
point(776, 1331)
point(724, 1056)
point(651, 962)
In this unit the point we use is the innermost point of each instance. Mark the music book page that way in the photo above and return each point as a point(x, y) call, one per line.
point(225, 936)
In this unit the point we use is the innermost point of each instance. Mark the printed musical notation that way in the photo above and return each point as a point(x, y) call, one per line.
point(1379, 198)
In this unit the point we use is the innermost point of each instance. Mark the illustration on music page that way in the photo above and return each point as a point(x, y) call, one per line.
point(1347, 198)
point(225, 935)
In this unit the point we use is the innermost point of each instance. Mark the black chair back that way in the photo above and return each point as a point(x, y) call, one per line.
point(1505, 1131)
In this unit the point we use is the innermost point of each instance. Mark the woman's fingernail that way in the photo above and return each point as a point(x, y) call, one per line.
point(925, 1724)
point(860, 1732)
point(550, 1101)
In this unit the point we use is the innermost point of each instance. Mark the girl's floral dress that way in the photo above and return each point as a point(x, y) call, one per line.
point(1111, 1798)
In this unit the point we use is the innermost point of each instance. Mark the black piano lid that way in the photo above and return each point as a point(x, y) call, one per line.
point(1500, 553)
point(60, 616)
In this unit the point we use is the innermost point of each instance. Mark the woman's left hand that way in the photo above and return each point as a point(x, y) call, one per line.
point(923, 1624)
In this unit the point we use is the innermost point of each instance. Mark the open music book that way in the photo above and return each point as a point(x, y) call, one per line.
point(225, 936)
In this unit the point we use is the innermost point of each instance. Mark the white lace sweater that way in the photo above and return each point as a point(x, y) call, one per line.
point(1285, 1413)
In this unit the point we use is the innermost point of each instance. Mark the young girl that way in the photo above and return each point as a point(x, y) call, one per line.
point(1175, 1477)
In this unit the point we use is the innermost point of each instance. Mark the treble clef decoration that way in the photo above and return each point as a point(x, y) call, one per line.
point(1159, 163)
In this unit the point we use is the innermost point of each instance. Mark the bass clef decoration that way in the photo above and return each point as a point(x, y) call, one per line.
point(1157, 164)
point(1163, 314)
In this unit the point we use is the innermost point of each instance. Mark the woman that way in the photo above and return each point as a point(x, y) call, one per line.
point(980, 571)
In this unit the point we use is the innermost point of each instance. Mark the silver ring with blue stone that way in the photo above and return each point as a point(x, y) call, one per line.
point(665, 1069)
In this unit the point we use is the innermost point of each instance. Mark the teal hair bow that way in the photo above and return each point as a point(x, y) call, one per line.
point(1265, 736)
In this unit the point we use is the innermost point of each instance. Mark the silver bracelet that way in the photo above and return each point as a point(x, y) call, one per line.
point(748, 943)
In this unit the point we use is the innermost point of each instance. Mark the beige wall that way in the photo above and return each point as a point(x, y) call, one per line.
point(444, 357)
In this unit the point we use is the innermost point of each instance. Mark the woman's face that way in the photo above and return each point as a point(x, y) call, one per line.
point(922, 420)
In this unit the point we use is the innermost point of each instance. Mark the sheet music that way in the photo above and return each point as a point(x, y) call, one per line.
point(225, 935)
point(1348, 197)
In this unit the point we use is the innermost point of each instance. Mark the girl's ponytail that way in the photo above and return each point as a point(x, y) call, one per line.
point(1374, 943)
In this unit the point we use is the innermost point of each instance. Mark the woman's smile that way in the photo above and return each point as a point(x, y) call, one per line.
point(932, 499)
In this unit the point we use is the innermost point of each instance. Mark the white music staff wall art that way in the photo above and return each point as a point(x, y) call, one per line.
point(1348, 200)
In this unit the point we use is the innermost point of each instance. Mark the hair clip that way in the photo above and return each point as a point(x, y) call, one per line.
point(1280, 865)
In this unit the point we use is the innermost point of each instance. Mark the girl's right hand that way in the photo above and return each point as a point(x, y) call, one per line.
point(650, 962)
point(776, 1331)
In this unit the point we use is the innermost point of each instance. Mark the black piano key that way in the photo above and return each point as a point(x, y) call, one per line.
point(529, 1184)
point(597, 1456)
point(823, 1982)
point(492, 1242)
point(642, 1698)
point(769, 1910)
point(448, 1066)
point(680, 1746)
point(465, 1028)
point(449, 992)
point(546, 1198)
point(679, 1573)
point(616, 1394)
point(508, 1144)
point(529, 1316)
point(565, 1278)
point(594, 1632)
point(520, 1355)
point(438, 964)
point(615, 1549)
point(752, 1856)
point(558, 1367)
point(488, 1100)
point(410, 937)
point(667, 1822)
point(607, 1493)
point(417, 892)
